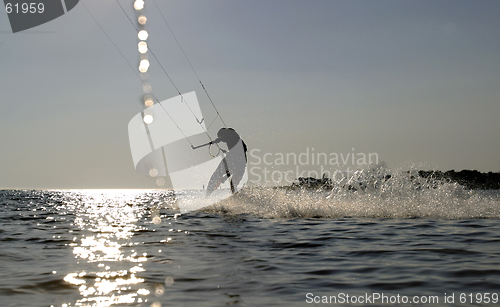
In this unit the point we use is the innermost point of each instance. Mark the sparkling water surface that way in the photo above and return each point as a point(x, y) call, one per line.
point(265, 247)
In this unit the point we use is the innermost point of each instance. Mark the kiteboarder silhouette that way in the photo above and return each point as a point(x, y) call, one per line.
point(233, 164)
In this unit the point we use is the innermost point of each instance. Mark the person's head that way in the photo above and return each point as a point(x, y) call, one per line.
point(224, 132)
point(228, 135)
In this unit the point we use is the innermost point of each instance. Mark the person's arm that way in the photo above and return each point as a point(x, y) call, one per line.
point(206, 144)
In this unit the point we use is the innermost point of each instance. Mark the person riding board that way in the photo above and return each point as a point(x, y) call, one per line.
point(233, 164)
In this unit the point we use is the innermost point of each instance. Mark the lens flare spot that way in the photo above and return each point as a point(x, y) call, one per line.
point(152, 172)
point(144, 65)
point(159, 290)
point(146, 88)
point(148, 101)
point(160, 182)
point(148, 119)
point(143, 47)
point(139, 5)
point(156, 220)
point(169, 281)
point(143, 35)
point(142, 20)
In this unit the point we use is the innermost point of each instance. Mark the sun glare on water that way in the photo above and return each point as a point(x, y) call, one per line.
point(108, 219)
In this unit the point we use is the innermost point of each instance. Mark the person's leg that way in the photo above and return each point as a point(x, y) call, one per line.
point(236, 178)
point(237, 167)
point(218, 177)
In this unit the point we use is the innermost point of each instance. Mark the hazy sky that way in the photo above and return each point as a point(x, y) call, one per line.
point(417, 82)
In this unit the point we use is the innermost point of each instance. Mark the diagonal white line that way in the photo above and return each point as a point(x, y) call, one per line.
point(64, 6)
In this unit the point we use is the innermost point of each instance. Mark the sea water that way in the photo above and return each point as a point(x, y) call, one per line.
point(265, 246)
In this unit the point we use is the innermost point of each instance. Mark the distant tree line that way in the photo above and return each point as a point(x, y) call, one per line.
point(470, 179)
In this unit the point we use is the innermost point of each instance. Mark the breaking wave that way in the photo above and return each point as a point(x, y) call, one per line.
point(367, 194)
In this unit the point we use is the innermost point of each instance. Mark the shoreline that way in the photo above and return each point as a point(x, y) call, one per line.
point(469, 179)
